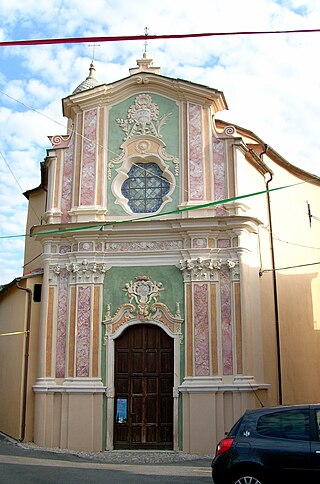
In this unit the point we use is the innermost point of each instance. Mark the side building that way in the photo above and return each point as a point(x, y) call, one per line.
point(178, 262)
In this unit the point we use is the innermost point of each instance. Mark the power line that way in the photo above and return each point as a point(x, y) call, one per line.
point(117, 38)
point(290, 267)
point(9, 168)
point(31, 109)
point(95, 143)
point(278, 239)
point(156, 215)
point(17, 182)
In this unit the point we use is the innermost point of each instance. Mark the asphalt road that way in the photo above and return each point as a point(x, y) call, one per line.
point(19, 465)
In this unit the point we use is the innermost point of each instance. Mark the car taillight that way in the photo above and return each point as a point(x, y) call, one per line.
point(224, 445)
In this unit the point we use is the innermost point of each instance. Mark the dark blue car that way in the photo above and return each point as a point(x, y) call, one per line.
point(271, 445)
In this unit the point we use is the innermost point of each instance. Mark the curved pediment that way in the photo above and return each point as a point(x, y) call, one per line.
point(143, 305)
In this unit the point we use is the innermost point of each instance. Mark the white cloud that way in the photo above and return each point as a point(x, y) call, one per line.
point(270, 82)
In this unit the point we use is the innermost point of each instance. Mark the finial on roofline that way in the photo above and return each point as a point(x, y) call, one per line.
point(146, 33)
point(89, 81)
point(91, 69)
point(145, 64)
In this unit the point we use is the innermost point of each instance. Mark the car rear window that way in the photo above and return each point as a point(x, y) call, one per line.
point(291, 424)
point(233, 432)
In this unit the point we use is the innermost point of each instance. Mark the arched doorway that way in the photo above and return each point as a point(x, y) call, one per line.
point(143, 414)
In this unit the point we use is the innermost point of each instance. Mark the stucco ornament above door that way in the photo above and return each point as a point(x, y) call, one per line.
point(142, 134)
point(143, 306)
point(143, 292)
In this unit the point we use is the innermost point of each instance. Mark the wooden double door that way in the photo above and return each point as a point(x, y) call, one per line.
point(143, 389)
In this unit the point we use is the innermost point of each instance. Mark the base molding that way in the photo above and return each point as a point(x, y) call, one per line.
point(70, 385)
point(218, 384)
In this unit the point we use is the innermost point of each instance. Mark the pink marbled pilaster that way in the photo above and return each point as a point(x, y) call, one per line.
point(196, 176)
point(83, 331)
point(201, 329)
point(67, 178)
point(226, 329)
point(88, 172)
point(219, 183)
point(61, 326)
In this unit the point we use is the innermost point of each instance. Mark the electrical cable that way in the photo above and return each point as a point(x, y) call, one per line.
point(17, 181)
point(117, 38)
point(276, 237)
point(152, 216)
point(95, 143)
point(291, 267)
point(34, 258)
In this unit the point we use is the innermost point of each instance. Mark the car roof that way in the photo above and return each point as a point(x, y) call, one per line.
point(280, 408)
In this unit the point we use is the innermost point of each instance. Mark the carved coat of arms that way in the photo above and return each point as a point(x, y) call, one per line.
point(144, 292)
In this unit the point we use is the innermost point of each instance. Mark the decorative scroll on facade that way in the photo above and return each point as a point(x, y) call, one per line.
point(200, 269)
point(234, 269)
point(207, 269)
point(62, 140)
point(84, 271)
point(143, 121)
point(143, 305)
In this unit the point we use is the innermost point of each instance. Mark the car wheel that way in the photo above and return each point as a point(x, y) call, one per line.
point(248, 478)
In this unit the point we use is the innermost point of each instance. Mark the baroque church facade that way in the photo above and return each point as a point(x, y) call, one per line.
point(162, 316)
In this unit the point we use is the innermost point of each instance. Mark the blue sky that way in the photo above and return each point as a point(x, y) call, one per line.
point(271, 83)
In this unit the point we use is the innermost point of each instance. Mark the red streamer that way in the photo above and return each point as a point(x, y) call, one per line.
point(77, 40)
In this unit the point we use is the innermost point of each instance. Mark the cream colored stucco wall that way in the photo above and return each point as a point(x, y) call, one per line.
point(13, 317)
point(33, 248)
point(295, 244)
point(33, 359)
point(208, 415)
point(69, 420)
point(68, 415)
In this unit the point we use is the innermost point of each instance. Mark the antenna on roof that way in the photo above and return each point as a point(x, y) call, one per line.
point(146, 33)
point(94, 45)
point(309, 213)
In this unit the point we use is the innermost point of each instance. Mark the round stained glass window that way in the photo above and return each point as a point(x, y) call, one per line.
point(145, 188)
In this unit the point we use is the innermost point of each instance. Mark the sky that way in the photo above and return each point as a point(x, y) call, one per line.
point(270, 82)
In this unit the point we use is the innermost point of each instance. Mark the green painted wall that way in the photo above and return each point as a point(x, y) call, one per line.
point(170, 136)
point(169, 276)
point(173, 291)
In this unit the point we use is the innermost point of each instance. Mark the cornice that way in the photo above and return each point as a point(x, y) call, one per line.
point(268, 151)
point(146, 227)
point(176, 89)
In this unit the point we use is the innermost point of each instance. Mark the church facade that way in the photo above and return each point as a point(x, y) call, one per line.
point(168, 303)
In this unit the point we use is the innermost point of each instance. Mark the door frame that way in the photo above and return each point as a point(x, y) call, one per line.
point(110, 387)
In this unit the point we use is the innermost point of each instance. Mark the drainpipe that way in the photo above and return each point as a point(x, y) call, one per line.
point(26, 362)
point(275, 289)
